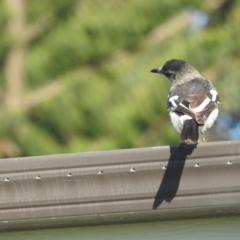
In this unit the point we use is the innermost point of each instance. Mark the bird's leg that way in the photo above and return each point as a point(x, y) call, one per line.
point(203, 138)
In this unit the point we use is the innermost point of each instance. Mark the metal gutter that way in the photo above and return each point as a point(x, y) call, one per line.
point(143, 184)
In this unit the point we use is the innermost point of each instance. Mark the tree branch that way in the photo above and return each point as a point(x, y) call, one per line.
point(15, 73)
point(39, 29)
point(43, 94)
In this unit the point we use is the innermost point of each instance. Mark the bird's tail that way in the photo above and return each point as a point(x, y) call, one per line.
point(190, 131)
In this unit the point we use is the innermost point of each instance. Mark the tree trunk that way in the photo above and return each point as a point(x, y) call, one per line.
point(15, 72)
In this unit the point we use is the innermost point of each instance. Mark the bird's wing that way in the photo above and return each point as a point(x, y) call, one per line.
point(196, 99)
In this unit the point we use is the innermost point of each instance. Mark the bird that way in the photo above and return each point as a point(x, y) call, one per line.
point(192, 100)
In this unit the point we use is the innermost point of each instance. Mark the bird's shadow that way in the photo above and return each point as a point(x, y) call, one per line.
point(170, 182)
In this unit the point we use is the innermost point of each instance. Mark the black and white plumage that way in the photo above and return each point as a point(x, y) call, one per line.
point(192, 99)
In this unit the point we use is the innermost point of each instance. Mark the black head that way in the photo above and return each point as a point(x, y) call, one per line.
point(174, 69)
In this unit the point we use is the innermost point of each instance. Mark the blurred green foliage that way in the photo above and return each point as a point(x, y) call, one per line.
point(97, 50)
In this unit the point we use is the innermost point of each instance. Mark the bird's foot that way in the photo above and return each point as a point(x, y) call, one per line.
point(203, 138)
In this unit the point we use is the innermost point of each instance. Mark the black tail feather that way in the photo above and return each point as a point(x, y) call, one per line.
point(190, 131)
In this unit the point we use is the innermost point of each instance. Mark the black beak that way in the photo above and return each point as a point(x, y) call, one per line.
point(157, 70)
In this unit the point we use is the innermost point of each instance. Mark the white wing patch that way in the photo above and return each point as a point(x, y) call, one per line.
point(171, 99)
point(214, 94)
point(210, 120)
point(202, 105)
point(183, 106)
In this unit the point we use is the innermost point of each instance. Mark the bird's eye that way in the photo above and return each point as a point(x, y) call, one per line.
point(171, 76)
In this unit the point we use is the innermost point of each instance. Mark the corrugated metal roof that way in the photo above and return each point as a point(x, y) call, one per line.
point(130, 185)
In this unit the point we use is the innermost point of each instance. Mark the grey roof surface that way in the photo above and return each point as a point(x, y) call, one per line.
point(132, 185)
